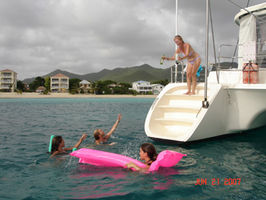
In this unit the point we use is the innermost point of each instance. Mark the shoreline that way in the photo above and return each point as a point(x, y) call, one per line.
point(14, 95)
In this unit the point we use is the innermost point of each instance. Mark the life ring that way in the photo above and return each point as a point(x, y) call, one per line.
point(50, 144)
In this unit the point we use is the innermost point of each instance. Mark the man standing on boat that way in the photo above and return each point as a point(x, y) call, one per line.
point(185, 51)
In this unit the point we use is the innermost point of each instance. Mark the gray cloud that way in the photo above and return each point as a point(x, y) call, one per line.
point(84, 36)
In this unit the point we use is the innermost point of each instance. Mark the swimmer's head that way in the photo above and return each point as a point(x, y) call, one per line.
point(57, 143)
point(150, 150)
point(98, 134)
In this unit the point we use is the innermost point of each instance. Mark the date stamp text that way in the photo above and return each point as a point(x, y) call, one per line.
point(218, 181)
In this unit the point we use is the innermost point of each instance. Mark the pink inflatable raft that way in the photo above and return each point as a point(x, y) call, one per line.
point(166, 158)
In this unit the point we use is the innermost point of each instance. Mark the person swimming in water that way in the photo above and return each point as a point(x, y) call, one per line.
point(99, 135)
point(193, 59)
point(58, 145)
point(147, 152)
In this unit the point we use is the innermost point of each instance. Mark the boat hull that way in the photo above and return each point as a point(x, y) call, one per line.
point(232, 110)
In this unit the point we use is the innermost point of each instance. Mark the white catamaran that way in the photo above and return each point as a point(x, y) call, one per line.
point(230, 100)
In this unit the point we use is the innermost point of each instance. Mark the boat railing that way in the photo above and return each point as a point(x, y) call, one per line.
point(221, 56)
point(259, 53)
point(178, 70)
point(175, 71)
point(234, 59)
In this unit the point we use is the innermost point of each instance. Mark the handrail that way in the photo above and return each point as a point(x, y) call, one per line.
point(233, 57)
point(205, 103)
point(175, 72)
point(220, 57)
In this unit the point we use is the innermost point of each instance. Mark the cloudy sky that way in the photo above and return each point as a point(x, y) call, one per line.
point(84, 36)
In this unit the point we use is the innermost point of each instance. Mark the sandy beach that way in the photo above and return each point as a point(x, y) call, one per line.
point(5, 95)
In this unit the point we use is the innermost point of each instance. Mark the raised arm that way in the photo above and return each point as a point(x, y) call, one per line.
point(113, 128)
point(83, 137)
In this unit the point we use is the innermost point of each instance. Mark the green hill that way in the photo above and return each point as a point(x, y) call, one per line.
point(126, 75)
point(143, 72)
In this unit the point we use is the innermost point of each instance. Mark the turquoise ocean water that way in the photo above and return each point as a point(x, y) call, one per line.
point(230, 168)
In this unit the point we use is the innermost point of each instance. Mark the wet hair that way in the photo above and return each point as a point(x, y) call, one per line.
point(179, 37)
point(96, 134)
point(55, 143)
point(150, 150)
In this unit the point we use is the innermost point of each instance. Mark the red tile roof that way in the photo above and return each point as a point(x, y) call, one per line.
point(7, 70)
point(59, 76)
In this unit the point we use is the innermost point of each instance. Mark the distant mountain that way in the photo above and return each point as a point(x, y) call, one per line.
point(96, 76)
point(70, 75)
point(127, 75)
point(131, 74)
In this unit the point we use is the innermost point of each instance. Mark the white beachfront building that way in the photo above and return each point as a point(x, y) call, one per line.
point(8, 80)
point(85, 85)
point(145, 86)
point(40, 89)
point(59, 83)
point(142, 86)
point(157, 88)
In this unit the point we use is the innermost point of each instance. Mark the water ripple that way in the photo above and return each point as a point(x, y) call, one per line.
point(25, 165)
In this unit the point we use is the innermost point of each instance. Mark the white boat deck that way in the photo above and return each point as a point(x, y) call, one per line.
point(176, 112)
point(233, 104)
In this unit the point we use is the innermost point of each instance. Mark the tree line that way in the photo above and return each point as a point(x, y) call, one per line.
point(97, 87)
